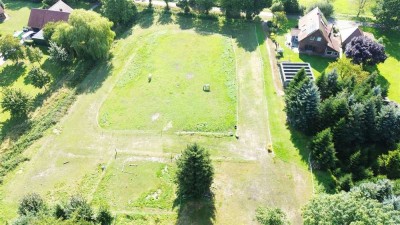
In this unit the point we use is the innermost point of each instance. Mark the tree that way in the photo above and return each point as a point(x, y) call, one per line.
point(39, 77)
point(279, 19)
point(328, 84)
point(167, 4)
point(291, 6)
point(325, 6)
point(323, 150)
point(360, 6)
point(348, 208)
point(346, 69)
point(119, 11)
point(277, 6)
point(87, 34)
point(79, 209)
point(302, 102)
point(271, 216)
point(204, 6)
point(379, 190)
point(390, 164)
point(363, 50)
point(332, 109)
point(184, 4)
point(104, 216)
point(34, 54)
point(11, 49)
point(195, 173)
point(58, 54)
point(16, 102)
point(50, 28)
point(254, 7)
point(31, 205)
point(388, 124)
point(232, 8)
point(386, 13)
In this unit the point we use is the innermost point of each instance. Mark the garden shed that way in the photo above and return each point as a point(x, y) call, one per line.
point(289, 69)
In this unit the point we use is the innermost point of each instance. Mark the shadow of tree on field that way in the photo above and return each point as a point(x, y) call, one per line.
point(165, 18)
point(10, 73)
point(146, 18)
point(196, 212)
point(19, 4)
point(95, 77)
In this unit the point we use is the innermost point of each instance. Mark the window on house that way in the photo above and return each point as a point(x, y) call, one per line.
point(329, 53)
point(334, 53)
point(312, 38)
point(319, 38)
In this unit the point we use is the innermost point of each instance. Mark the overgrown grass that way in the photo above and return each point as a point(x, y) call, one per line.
point(180, 63)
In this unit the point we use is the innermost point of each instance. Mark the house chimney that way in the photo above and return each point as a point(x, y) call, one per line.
point(60, 10)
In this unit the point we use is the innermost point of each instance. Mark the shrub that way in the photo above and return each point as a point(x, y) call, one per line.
point(31, 204)
point(16, 102)
point(38, 77)
point(271, 216)
point(58, 54)
point(390, 164)
point(325, 6)
point(277, 7)
point(78, 209)
point(104, 216)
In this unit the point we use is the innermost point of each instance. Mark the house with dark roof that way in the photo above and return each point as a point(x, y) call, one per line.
point(40, 17)
point(2, 14)
point(315, 36)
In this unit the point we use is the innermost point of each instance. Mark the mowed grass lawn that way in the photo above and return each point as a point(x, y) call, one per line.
point(346, 7)
point(18, 15)
point(180, 63)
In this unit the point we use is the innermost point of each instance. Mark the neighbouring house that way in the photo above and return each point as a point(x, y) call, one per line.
point(38, 18)
point(347, 34)
point(2, 14)
point(315, 36)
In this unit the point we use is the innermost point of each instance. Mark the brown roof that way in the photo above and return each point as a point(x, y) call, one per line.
point(61, 6)
point(348, 34)
point(314, 21)
point(40, 17)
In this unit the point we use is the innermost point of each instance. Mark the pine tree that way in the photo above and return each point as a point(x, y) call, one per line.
point(195, 173)
point(323, 150)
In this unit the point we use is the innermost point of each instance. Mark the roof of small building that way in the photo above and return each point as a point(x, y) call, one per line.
point(61, 6)
point(314, 21)
point(40, 17)
point(349, 33)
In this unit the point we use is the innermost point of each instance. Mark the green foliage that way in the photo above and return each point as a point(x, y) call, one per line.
point(232, 8)
point(277, 7)
point(38, 77)
point(328, 84)
point(323, 151)
point(16, 102)
point(195, 173)
point(390, 164)
point(50, 28)
point(271, 216)
point(31, 205)
point(11, 49)
point(345, 68)
point(34, 55)
point(58, 54)
point(302, 102)
point(380, 190)
point(89, 28)
point(332, 110)
point(388, 124)
point(326, 7)
point(78, 208)
point(279, 19)
point(104, 216)
point(119, 11)
point(204, 6)
point(348, 208)
point(386, 13)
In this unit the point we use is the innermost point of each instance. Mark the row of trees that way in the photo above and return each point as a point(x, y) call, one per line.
point(368, 203)
point(33, 209)
point(348, 117)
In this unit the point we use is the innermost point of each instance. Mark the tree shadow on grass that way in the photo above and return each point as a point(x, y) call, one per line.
point(165, 18)
point(19, 4)
point(301, 142)
point(10, 73)
point(390, 39)
point(146, 18)
point(318, 63)
point(196, 212)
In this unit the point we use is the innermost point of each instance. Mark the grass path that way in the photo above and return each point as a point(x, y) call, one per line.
point(68, 161)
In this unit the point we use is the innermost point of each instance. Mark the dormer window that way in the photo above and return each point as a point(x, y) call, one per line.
point(312, 38)
point(319, 38)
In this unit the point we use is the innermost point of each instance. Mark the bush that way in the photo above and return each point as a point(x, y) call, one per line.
point(325, 6)
point(38, 77)
point(31, 204)
point(104, 216)
point(390, 164)
point(16, 102)
point(277, 7)
point(78, 209)
point(58, 54)
point(271, 216)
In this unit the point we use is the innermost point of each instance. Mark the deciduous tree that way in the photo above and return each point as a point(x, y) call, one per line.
point(11, 49)
point(119, 11)
point(363, 50)
point(34, 55)
point(386, 13)
point(39, 77)
point(16, 102)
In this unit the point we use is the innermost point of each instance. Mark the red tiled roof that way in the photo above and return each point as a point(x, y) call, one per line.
point(40, 17)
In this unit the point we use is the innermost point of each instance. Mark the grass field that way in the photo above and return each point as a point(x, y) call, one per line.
point(137, 181)
point(179, 63)
point(345, 7)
